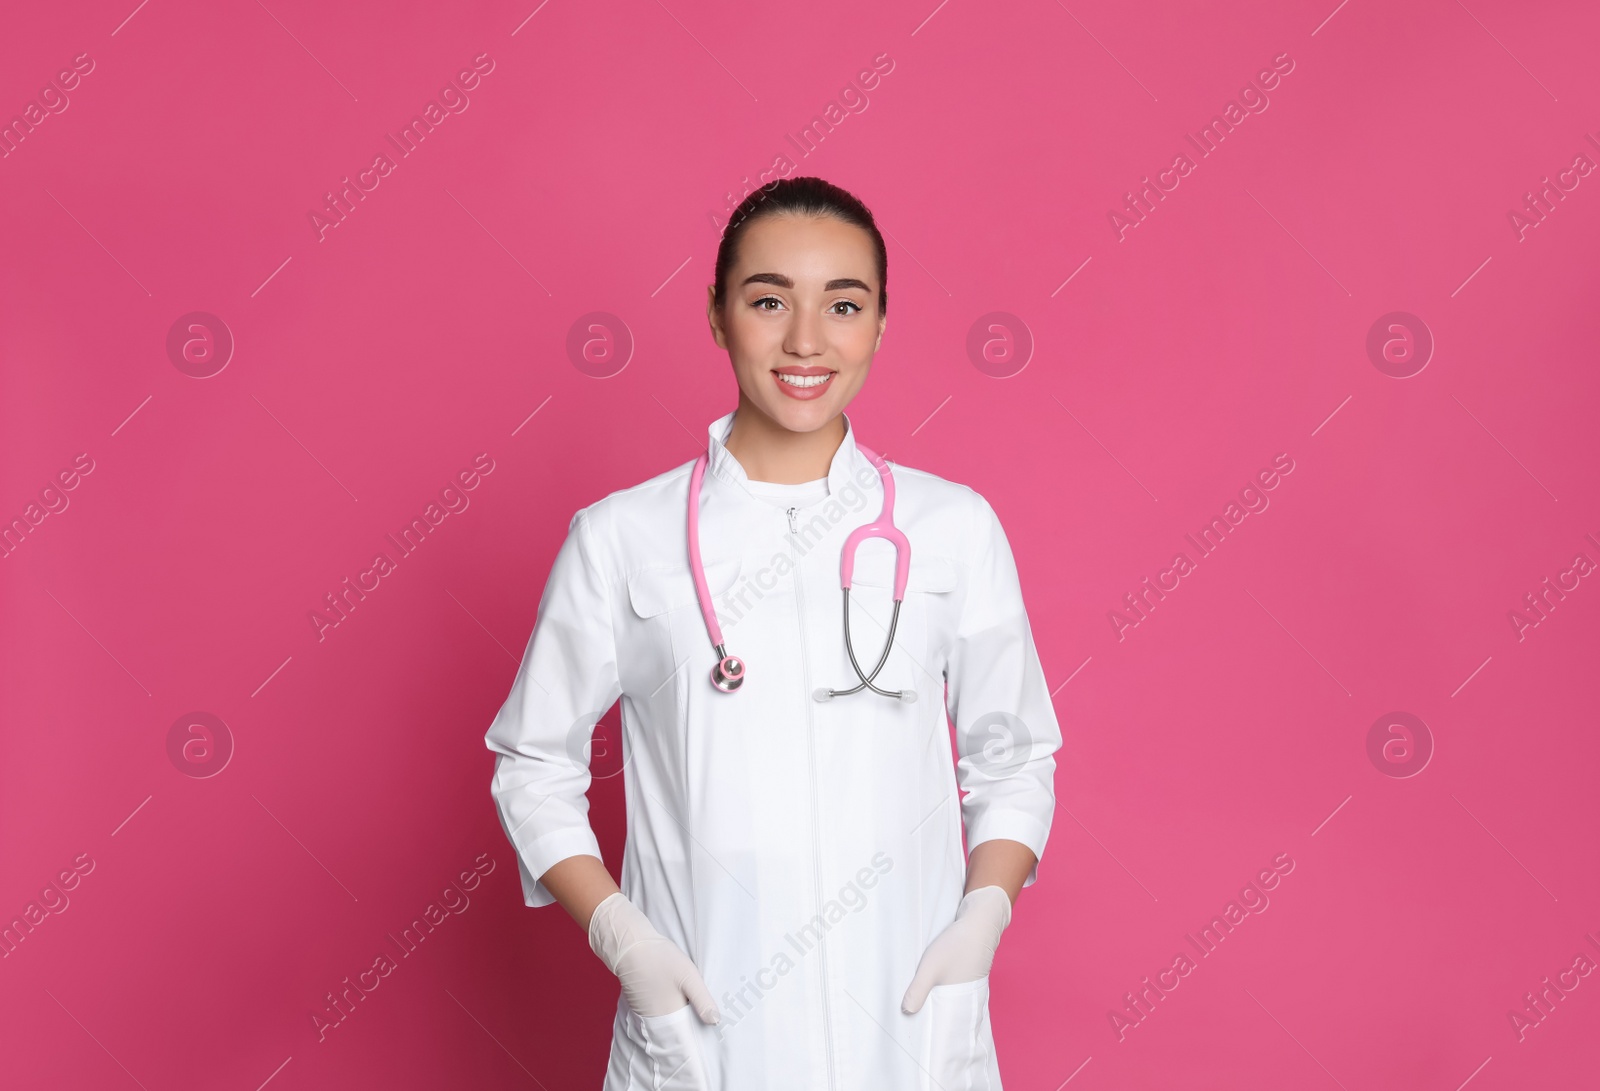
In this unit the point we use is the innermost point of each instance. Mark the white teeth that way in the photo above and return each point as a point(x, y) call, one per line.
point(804, 380)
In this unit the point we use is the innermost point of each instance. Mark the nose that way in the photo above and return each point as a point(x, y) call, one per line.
point(805, 334)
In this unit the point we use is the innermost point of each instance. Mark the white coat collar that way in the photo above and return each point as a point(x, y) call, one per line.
point(848, 462)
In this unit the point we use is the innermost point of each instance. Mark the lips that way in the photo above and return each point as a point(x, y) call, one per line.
point(804, 383)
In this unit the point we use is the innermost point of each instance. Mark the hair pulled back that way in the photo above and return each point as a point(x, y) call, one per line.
point(803, 196)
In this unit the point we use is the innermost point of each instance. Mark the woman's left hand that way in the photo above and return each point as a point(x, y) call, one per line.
point(964, 951)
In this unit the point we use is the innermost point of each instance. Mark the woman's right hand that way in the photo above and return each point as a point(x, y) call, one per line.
point(657, 978)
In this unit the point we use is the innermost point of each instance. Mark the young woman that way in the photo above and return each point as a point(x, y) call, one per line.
point(796, 910)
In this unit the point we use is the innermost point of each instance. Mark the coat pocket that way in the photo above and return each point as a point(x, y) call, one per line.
point(671, 1046)
point(669, 630)
point(925, 573)
point(653, 591)
point(961, 1044)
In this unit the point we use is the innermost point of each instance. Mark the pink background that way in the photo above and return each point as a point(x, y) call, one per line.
point(1168, 367)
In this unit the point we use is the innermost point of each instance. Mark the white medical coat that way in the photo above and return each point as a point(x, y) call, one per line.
point(802, 854)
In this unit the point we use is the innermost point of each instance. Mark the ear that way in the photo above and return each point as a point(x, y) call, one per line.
point(883, 321)
point(714, 318)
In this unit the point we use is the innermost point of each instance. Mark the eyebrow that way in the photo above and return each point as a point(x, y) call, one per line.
point(784, 282)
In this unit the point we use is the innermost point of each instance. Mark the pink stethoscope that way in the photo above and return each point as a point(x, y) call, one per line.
point(729, 673)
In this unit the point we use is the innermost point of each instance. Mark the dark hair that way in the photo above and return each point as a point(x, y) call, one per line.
point(799, 196)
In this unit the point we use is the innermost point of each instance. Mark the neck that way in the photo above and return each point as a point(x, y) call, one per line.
point(770, 452)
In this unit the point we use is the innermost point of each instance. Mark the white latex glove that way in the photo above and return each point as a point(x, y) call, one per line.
point(964, 951)
point(657, 978)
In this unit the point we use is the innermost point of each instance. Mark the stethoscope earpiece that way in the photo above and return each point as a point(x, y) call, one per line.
point(823, 693)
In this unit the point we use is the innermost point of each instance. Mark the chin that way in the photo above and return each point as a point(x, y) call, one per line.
point(804, 416)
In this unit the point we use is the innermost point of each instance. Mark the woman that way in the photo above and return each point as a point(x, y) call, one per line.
point(795, 908)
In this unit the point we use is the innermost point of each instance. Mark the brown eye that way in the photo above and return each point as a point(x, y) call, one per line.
point(847, 303)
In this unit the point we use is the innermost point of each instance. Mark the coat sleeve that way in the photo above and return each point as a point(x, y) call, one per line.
point(1006, 729)
point(565, 683)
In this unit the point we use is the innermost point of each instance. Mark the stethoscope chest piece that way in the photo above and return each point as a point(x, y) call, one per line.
point(728, 674)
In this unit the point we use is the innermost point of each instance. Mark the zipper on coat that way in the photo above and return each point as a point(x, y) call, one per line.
point(811, 766)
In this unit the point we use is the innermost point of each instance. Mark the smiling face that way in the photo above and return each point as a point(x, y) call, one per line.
point(800, 319)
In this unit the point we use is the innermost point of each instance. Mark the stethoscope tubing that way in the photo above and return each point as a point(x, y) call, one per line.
point(866, 679)
point(729, 673)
